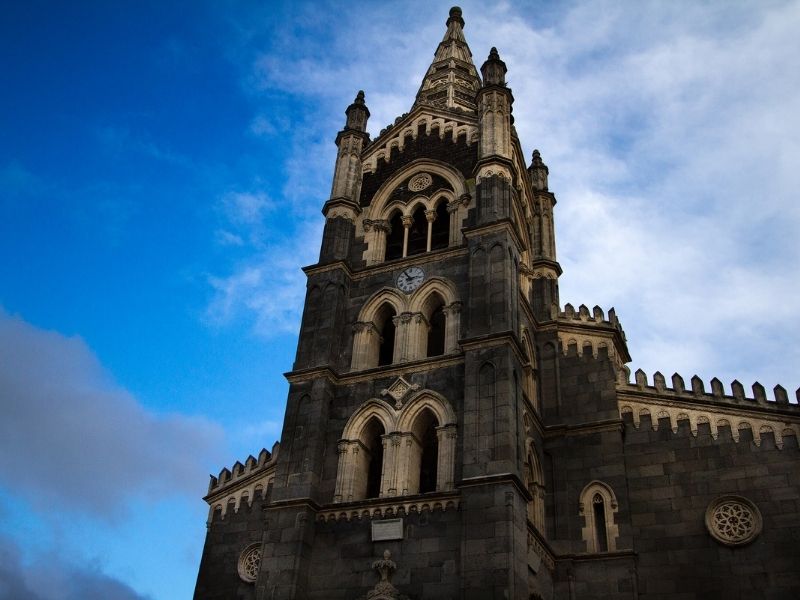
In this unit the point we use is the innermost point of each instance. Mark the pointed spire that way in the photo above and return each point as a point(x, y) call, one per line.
point(452, 79)
point(538, 172)
point(494, 70)
point(357, 113)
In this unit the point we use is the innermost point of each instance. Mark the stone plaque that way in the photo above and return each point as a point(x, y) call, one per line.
point(388, 529)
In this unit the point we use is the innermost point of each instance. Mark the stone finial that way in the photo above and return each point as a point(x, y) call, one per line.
point(384, 590)
point(357, 113)
point(455, 16)
point(494, 70)
point(538, 172)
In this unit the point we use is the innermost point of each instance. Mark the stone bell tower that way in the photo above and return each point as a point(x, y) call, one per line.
point(450, 431)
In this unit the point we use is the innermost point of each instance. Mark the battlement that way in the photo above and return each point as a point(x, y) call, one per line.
point(241, 472)
point(697, 391)
point(582, 315)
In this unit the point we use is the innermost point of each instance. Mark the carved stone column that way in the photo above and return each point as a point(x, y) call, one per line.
point(375, 238)
point(401, 334)
point(458, 212)
point(430, 215)
point(391, 459)
point(446, 436)
point(452, 331)
point(365, 338)
point(407, 222)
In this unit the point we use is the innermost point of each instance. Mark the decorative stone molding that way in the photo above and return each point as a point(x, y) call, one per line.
point(383, 509)
point(492, 170)
point(536, 546)
point(715, 417)
point(249, 563)
point(399, 390)
point(733, 520)
point(377, 225)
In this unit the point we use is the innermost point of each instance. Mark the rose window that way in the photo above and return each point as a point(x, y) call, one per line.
point(249, 563)
point(733, 520)
point(420, 182)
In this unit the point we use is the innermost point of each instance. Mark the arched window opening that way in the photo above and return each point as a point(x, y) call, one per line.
point(598, 504)
point(436, 330)
point(425, 432)
point(418, 233)
point(385, 324)
point(372, 437)
point(394, 239)
point(601, 535)
point(441, 227)
point(429, 462)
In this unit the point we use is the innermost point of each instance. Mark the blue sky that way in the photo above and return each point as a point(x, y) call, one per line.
point(162, 167)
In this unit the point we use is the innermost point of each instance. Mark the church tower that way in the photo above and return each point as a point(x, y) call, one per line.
point(450, 432)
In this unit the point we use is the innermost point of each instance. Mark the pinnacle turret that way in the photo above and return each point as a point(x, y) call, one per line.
point(452, 79)
point(538, 172)
point(357, 113)
point(494, 70)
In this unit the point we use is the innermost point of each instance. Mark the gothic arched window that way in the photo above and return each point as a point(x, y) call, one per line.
point(394, 239)
point(429, 456)
point(600, 530)
point(436, 331)
point(418, 232)
point(440, 232)
point(598, 504)
point(386, 328)
point(373, 439)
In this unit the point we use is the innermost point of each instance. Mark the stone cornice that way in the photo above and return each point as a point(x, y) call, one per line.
point(396, 369)
point(500, 225)
point(570, 429)
point(395, 506)
point(384, 267)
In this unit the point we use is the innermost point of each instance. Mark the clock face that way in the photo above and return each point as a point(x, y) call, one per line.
point(410, 279)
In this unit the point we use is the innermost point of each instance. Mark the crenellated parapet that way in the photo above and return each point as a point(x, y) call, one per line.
point(777, 416)
point(408, 128)
point(591, 331)
point(242, 481)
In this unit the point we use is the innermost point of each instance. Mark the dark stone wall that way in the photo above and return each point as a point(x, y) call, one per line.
point(672, 479)
point(226, 538)
point(428, 558)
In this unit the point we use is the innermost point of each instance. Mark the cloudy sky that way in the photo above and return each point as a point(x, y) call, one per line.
point(162, 168)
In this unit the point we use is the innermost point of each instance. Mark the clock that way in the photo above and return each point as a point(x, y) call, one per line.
point(410, 279)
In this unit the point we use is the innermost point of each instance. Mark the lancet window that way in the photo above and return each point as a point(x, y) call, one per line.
point(598, 504)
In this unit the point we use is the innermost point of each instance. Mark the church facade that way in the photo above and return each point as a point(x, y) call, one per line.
point(452, 432)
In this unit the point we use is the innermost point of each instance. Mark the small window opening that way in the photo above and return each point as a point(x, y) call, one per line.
point(418, 233)
point(601, 535)
point(375, 468)
point(430, 459)
point(436, 333)
point(394, 239)
point(386, 348)
point(441, 228)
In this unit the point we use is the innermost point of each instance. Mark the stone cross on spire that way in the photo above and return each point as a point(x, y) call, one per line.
point(452, 79)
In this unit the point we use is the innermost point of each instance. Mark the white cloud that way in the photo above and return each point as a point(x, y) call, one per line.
point(70, 436)
point(268, 287)
point(672, 136)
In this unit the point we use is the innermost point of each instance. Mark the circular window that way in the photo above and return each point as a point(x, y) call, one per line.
point(420, 182)
point(733, 520)
point(249, 562)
